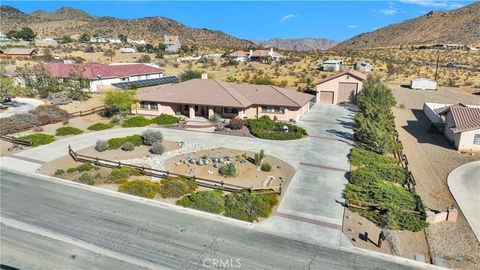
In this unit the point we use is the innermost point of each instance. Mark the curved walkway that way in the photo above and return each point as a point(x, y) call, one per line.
point(464, 183)
point(30, 104)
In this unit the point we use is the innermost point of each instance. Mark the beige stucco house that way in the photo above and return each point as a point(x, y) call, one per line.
point(204, 97)
point(340, 88)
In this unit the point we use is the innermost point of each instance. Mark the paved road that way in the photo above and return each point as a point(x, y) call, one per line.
point(47, 225)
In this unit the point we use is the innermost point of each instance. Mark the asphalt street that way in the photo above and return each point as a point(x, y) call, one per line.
point(48, 225)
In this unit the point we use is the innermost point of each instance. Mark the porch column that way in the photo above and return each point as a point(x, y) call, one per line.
point(240, 114)
point(210, 112)
point(191, 111)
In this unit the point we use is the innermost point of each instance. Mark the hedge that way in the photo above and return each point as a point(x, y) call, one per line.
point(210, 201)
point(174, 187)
point(142, 188)
point(115, 143)
point(67, 130)
point(249, 206)
point(100, 126)
point(120, 175)
point(359, 156)
point(38, 139)
point(165, 119)
point(84, 167)
point(136, 121)
point(266, 128)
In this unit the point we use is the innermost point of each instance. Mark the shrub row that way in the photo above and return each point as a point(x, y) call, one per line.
point(266, 128)
point(141, 121)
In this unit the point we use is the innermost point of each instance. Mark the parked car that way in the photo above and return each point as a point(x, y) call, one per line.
point(451, 65)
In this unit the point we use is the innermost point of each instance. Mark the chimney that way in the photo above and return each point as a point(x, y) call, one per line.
point(204, 76)
point(251, 52)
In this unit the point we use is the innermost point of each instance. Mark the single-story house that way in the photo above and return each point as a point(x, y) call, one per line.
point(102, 76)
point(127, 50)
point(239, 56)
point(423, 84)
point(172, 43)
point(342, 87)
point(17, 53)
point(3, 37)
point(362, 66)
point(332, 65)
point(204, 97)
point(256, 55)
point(45, 42)
point(460, 124)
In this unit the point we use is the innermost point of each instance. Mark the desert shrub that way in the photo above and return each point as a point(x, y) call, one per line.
point(230, 170)
point(266, 128)
point(128, 146)
point(84, 167)
point(266, 167)
point(59, 172)
point(115, 143)
point(100, 126)
point(67, 130)
point(157, 148)
point(142, 188)
point(151, 136)
point(71, 170)
point(136, 121)
point(215, 118)
point(165, 119)
point(259, 157)
point(116, 120)
point(249, 206)
point(101, 145)
point(359, 156)
point(210, 201)
point(86, 178)
point(38, 139)
point(236, 123)
point(174, 187)
point(121, 174)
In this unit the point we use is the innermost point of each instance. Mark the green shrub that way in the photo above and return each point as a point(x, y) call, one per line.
point(165, 119)
point(157, 148)
point(86, 178)
point(174, 187)
point(215, 118)
point(230, 170)
point(361, 175)
point(210, 201)
point(128, 146)
point(249, 206)
point(115, 143)
point(64, 131)
point(142, 188)
point(84, 167)
point(71, 170)
point(100, 126)
point(136, 121)
point(38, 139)
point(266, 167)
point(359, 156)
point(59, 172)
point(120, 175)
point(392, 173)
point(151, 136)
point(266, 128)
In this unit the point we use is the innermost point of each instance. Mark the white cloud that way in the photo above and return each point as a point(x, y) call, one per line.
point(287, 18)
point(388, 11)
point(432, 3)
point(353, 26)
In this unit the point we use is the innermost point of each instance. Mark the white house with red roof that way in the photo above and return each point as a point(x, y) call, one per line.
point(256, 55)
point(102, 76)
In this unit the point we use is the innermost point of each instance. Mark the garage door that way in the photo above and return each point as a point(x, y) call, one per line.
point(347, 93)
point(326, 97)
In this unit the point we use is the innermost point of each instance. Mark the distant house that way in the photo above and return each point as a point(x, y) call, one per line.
point(172, 43)
point(3, 37)
point(136, 42)
point(103, 76)
point(460, 124)
point(98, 40)
point(342, 87)
point(362, 66)
point(45, 42)
point(256, 55)
point(204, 97)
point(127, 50)
point(18, 53)
point(239, 56)
point(423, 84)
point(332, 65)
point(114, 41)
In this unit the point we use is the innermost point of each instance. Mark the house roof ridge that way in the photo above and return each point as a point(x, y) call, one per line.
point(277, 89)
point(228, 91)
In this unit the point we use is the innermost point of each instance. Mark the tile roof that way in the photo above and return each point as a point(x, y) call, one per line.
point(22, 51)
point(221, 93)
point(93, 70)
point(239, 54)
point(464, 118)
point(351, 72)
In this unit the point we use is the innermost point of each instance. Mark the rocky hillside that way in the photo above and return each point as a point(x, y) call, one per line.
point(68, 21)
point(457, 26)
point(297, 44)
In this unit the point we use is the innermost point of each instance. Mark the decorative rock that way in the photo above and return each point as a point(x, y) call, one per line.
point(221, 160)
point(200, 162)
point(206, 161)
point(216, 165)
point(210, 171)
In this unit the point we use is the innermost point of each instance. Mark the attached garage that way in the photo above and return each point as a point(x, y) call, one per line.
point(326, 97)
point(347, 92)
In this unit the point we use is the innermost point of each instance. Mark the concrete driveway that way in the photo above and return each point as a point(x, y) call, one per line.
point(311, 209)
point(464, 183)
point(29, 104)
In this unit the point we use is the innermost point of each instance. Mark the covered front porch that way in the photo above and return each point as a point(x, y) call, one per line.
point(193, 111)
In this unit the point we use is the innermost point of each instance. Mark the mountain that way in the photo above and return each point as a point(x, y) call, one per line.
point(68, 22)
point(457, 26)
point(297, 44)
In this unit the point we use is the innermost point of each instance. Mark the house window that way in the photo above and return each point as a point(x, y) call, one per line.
point(476, 139)
point(271, 109)
point(124, 79)
point(144, 105)
point(230, 110)
point(154, 106)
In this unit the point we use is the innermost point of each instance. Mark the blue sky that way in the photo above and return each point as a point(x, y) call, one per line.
point(338, 20)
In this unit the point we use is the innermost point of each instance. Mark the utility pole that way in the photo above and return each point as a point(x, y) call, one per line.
point(436, 68)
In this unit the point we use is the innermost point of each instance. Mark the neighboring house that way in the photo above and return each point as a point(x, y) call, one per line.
point(3, 37)
point(332, 65)
point(114, 41)
point(342, 87)
point(45, 42)
point(172, 43)
point(423, 84)
point(239, 56)
point(127, 50)
point(18, 53)
point(264, 55)
point(204, 97)
point(362, 66)
point(460, 124)
point(103, 76)
point(136, 42)
point(98, 40)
